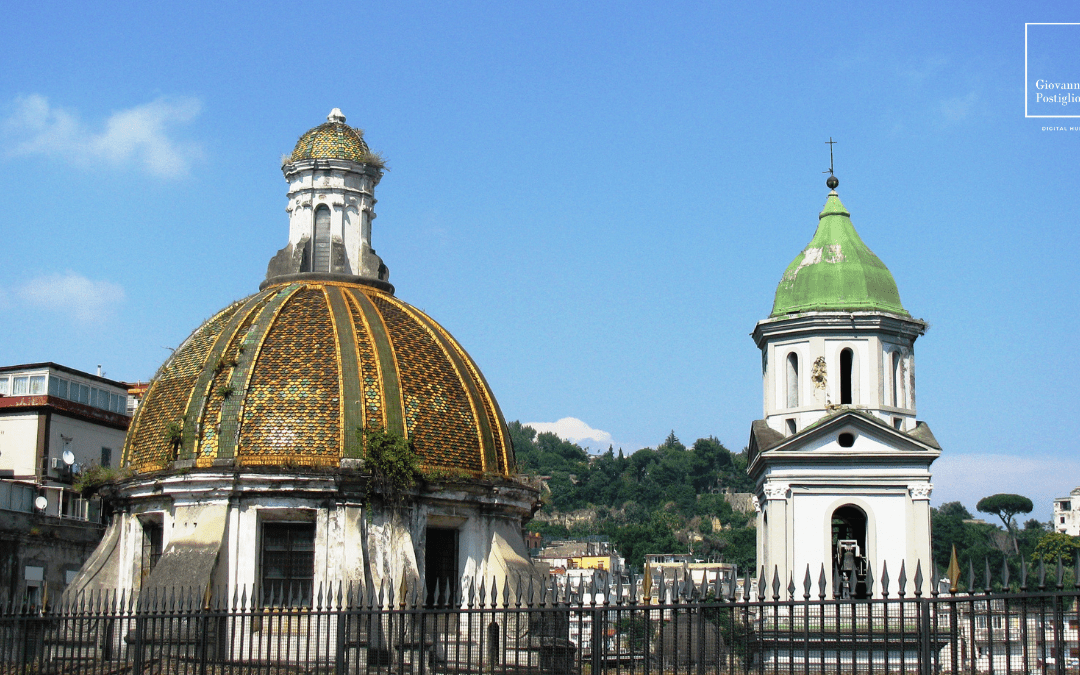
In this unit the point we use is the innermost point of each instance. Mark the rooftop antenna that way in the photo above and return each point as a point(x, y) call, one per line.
point(831, 181)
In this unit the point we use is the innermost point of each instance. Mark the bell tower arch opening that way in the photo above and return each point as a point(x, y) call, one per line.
point(792, 380)
point(321, 240)
point(847, 363)
point(849, 551)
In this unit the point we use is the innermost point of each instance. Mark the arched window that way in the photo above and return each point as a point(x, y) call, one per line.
point(321, 241)
point(898, 381)
point(847, 359)
point(792, 380)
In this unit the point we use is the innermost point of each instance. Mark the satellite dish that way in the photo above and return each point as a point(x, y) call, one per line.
point(69, 457)
point(41, 502)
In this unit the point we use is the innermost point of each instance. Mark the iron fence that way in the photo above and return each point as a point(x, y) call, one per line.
point(638, 626)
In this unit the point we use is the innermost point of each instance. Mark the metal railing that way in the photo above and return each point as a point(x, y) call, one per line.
point(532, 626)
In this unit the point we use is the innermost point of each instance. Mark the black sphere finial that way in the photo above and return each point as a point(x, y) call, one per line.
point(832, 182)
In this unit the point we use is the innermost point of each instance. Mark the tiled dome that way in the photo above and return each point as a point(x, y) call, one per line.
point(287, 377)
point(332, 140)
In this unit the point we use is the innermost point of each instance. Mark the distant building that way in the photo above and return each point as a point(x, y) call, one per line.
point(54, 422)
point(677, 568)
point(47, 409)
point(1067, 514)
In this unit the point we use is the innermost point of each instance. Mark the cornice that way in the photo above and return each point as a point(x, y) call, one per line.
point(816, 323)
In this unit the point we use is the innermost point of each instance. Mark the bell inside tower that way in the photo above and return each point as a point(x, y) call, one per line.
point(849, 551)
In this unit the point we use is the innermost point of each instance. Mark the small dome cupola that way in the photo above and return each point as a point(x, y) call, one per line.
point(836, 271)
point(332, 174)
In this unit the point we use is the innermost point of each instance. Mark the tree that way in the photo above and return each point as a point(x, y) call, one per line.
point(1005, 507)
point(1054, 544)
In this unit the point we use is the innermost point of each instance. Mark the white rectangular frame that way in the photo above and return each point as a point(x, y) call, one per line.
point(1061, 23)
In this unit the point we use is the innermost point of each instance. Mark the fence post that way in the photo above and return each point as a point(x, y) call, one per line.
point(339, 657)
point(926, 639)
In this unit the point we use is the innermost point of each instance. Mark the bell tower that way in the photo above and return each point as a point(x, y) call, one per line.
point(841, 463)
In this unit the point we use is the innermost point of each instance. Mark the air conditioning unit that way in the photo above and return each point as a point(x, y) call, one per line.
point(56, 464)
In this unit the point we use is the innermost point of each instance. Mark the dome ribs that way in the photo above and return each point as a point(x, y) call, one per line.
point(231, 409)
point(440, 416)
point(287, 377)
point(497, 424)
point(226, 370)
point(387, 363)
point(195, 412)
point(291, 414)
point(350, 406)
point(371, 380)
point(148, 445)
point(477, 393)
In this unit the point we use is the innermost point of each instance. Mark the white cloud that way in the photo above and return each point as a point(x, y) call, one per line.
point(968, 478)
point(575, 431)
point(86, 300)
point(141, 136)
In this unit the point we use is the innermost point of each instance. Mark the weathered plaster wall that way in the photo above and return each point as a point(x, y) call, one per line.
point(55, 545)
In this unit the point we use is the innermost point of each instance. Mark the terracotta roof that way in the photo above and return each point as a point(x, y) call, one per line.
point(288, 376)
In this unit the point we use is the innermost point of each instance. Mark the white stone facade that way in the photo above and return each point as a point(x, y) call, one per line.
point(840, 455)
point(212, 526)
point(802, 359)
point(1067, 513)
point(347, 191)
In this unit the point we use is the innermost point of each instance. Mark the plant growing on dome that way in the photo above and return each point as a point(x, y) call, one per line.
point(225, 390)
point(376, 160)
point(392, 462)
point(174, 433)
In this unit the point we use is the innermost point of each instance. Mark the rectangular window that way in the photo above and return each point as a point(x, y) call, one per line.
point(1065, 506)
point(106, 457)
point(288, 563)
point(20, 386)
point(151, 547)
point(37, 385)
point(84, 394)
point(4, 386)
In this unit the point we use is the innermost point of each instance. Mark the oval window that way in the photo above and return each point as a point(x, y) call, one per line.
point(846, 440)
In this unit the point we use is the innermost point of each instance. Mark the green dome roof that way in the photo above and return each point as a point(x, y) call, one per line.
point(836, 271)
point(333, 140)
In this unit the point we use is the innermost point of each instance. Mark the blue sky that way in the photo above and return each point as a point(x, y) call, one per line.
point(597, 199)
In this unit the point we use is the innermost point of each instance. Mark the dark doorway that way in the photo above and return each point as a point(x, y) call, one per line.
point(850, 557)
point(441, 565)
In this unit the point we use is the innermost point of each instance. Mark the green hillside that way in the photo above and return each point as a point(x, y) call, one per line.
point(655, 500)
